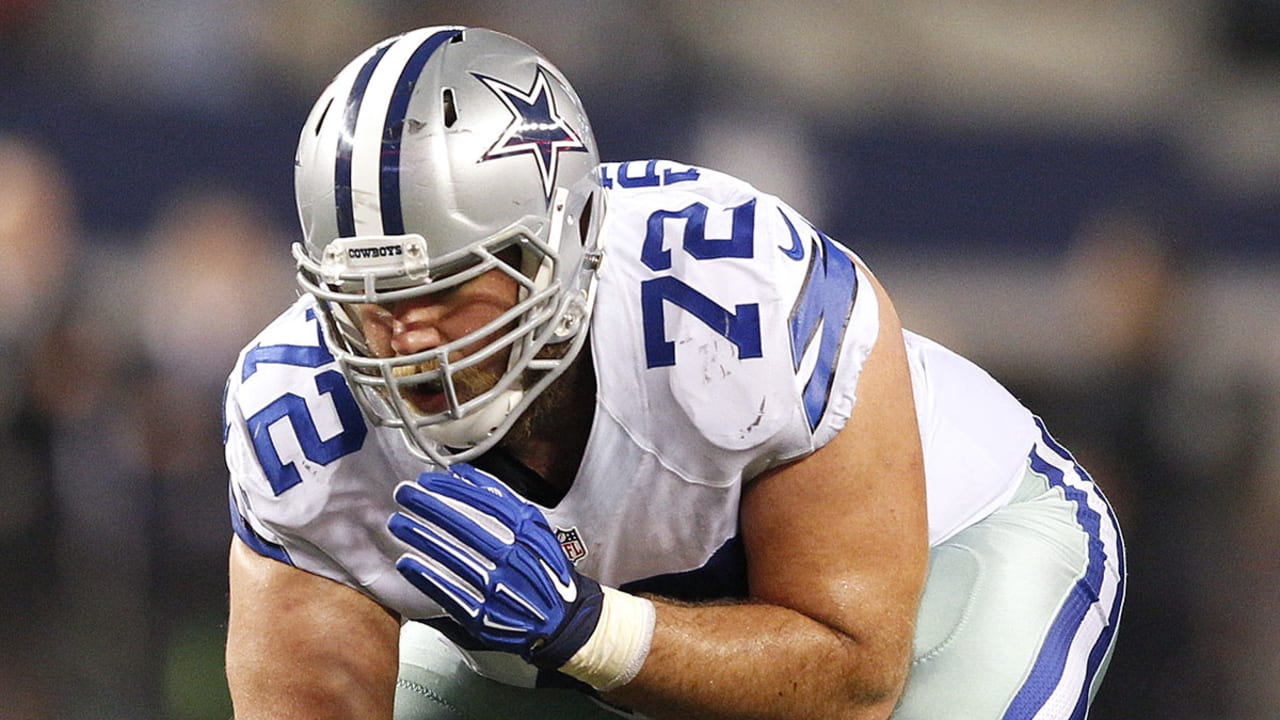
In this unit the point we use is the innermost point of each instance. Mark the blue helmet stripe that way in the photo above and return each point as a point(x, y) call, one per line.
point(393, 130)
point(342, 167)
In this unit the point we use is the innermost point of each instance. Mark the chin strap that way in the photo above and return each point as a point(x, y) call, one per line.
point(469, 430)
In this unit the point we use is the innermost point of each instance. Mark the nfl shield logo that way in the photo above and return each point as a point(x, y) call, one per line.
point(571, 542)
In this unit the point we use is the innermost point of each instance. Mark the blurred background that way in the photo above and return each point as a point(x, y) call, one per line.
point(1082, 196)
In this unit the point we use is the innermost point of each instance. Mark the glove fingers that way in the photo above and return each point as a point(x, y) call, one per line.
point(456, 599)
point(426, 503)
point(491, 560)
point(475, 489)
point(443, 551)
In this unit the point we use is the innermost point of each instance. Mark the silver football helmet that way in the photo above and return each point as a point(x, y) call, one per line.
point(429, 155)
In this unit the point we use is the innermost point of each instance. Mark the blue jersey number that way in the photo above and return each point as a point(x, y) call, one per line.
point(626, 177)
point(281, 475)
point(741, 326)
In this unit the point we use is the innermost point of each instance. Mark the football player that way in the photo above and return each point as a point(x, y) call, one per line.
point(550, 438)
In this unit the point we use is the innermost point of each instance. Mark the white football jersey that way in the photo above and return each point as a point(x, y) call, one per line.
point(728, 337)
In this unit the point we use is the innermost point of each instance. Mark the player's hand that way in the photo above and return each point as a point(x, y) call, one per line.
point(490, 559)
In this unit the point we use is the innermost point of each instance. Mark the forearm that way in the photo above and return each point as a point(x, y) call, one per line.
point(754, 660)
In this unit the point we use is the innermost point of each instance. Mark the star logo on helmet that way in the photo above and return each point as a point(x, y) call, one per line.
point(536, 128)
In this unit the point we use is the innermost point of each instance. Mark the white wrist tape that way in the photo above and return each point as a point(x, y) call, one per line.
point(617, 649)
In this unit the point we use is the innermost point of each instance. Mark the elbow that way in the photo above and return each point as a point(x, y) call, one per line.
point(873, 699)
point(879, 703)
point(877, 676)
point(869, 700)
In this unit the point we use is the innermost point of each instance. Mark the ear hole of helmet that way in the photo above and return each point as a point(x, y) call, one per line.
point(450, 110)
point(323, 114)
point(584, 219)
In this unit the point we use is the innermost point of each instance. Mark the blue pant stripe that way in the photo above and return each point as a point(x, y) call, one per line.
point(1047, 672)
point(1100, 648)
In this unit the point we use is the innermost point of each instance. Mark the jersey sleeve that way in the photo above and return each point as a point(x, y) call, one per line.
point(830, 315)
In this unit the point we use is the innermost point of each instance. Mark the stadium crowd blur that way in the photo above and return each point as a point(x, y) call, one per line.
point(1085, 197)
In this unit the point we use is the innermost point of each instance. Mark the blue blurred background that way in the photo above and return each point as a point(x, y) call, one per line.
point(1084, 197)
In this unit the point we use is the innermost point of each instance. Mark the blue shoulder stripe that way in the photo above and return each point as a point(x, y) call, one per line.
point(821, 313)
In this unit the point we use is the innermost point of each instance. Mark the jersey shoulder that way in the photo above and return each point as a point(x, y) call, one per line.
point(289, 420)
point(727, 308)
point(287, 373)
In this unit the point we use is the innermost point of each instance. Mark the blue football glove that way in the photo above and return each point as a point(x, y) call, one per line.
point(490, 559)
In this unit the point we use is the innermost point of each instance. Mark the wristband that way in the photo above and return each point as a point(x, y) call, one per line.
point(617, 649)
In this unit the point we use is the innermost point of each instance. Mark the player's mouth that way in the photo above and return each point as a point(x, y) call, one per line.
point(426, 396)
point(423, 387)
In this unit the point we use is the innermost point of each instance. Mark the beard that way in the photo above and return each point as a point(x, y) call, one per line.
point(542, 417)
point(545, 416)
point(426, 396)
